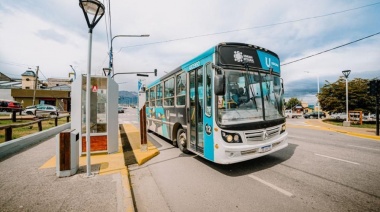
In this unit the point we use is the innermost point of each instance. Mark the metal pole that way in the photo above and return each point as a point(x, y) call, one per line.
point(88, 101)
point(35, 86)
point(347, 98)
point(111, 60)
point(319, 106)
point(142, 113)
point(111, 51)
point(377, 113)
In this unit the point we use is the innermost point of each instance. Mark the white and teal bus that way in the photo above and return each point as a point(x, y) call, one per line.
point(225, 105)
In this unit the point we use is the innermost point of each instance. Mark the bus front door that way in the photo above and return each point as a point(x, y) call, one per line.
point(196, 99)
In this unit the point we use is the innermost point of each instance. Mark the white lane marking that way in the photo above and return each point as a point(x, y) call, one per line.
point(364, 147)
point(347, 161)
point(272, 186)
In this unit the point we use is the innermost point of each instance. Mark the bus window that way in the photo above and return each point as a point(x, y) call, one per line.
point(181, 89)
point(208, 90)
point(153, 97)
point(159, 95)
point(169, 92)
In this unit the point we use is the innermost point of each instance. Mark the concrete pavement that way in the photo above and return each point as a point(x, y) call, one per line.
point(28, 180)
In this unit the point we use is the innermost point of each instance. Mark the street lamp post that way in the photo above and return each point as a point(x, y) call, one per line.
point(111, 49)
point(346, 73)
point(96, 9)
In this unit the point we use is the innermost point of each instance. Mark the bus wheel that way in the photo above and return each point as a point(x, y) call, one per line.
point(182, 141)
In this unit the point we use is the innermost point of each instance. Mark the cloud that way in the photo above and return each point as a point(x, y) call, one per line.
point(51, 34)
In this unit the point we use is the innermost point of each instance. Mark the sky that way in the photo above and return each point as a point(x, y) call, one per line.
point(54, 36)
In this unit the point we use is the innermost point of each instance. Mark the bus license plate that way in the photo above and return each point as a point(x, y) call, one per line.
point(266, 148)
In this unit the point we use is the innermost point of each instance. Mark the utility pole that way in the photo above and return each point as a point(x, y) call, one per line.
point(35, 86)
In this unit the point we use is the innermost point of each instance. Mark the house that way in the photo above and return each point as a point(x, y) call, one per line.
point(31, 91)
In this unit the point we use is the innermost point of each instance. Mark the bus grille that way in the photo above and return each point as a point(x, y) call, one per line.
point(262, 135)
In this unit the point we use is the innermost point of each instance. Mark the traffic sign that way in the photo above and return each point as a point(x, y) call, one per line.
point(94, 88)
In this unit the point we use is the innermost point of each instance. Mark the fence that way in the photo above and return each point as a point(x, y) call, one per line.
point(9, 128)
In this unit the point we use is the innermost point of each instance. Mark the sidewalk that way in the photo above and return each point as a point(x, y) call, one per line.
point(28, 180)
point(353, 131)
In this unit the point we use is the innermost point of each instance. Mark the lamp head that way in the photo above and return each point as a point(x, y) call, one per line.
point(346, 73)
point(107, 71)
point(92, 7)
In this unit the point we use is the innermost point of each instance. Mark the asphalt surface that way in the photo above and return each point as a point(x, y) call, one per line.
point(28, 180)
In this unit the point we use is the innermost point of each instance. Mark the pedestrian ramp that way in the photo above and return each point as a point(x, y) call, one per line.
point(133, 138)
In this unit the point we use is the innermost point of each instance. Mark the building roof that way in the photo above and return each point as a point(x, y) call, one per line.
point(60, 88)
point(4, 84)
point(29, 73)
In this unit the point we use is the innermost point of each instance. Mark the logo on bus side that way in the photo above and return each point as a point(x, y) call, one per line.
point(208, 129)
point(269, 63)
point(240, 57)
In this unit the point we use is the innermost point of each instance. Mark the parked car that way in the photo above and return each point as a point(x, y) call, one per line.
point(314, 115)
point(369, 117)
point(292, 114)
point(120, 110)
point(10, 105)
point(339, 116)
point(41, 110)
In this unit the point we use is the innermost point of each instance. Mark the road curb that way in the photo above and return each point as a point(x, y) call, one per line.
point(345, 131)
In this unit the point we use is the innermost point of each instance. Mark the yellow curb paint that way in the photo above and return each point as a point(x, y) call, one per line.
point(109, 164)
point(135, 141)
point(49, 164)
point(128, 199)
point(360, 135)
point(113, 163)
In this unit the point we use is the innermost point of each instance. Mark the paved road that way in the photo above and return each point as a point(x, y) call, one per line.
point(320, 170)
point(130, 116)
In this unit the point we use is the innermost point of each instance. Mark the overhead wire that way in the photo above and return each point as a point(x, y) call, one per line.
point(105, 21)
point(255, 27)
point(108, 30)
point(337, 47)
point(110, 19)
point(40, 71)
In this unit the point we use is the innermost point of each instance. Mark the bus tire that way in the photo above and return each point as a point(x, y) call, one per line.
point(182, 141)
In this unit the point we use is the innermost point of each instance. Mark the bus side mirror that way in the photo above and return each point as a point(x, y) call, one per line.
point(219, 84)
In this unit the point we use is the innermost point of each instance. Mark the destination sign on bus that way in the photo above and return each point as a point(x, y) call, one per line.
point(230, 55)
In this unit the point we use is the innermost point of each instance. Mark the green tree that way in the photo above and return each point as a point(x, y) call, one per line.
point(332, 96)
point(292, 102)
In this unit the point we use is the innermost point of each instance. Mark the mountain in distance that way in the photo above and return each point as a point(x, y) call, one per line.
point(128, 97)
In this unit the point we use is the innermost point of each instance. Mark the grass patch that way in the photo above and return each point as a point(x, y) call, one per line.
point(27, 130)
point(370, 125)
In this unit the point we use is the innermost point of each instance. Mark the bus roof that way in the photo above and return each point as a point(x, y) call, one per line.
point(191, 64)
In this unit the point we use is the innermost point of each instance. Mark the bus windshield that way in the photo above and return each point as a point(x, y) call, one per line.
point(250, 97)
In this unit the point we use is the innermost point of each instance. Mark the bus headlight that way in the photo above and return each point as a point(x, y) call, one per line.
point(283, 128)
point(231, 137)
